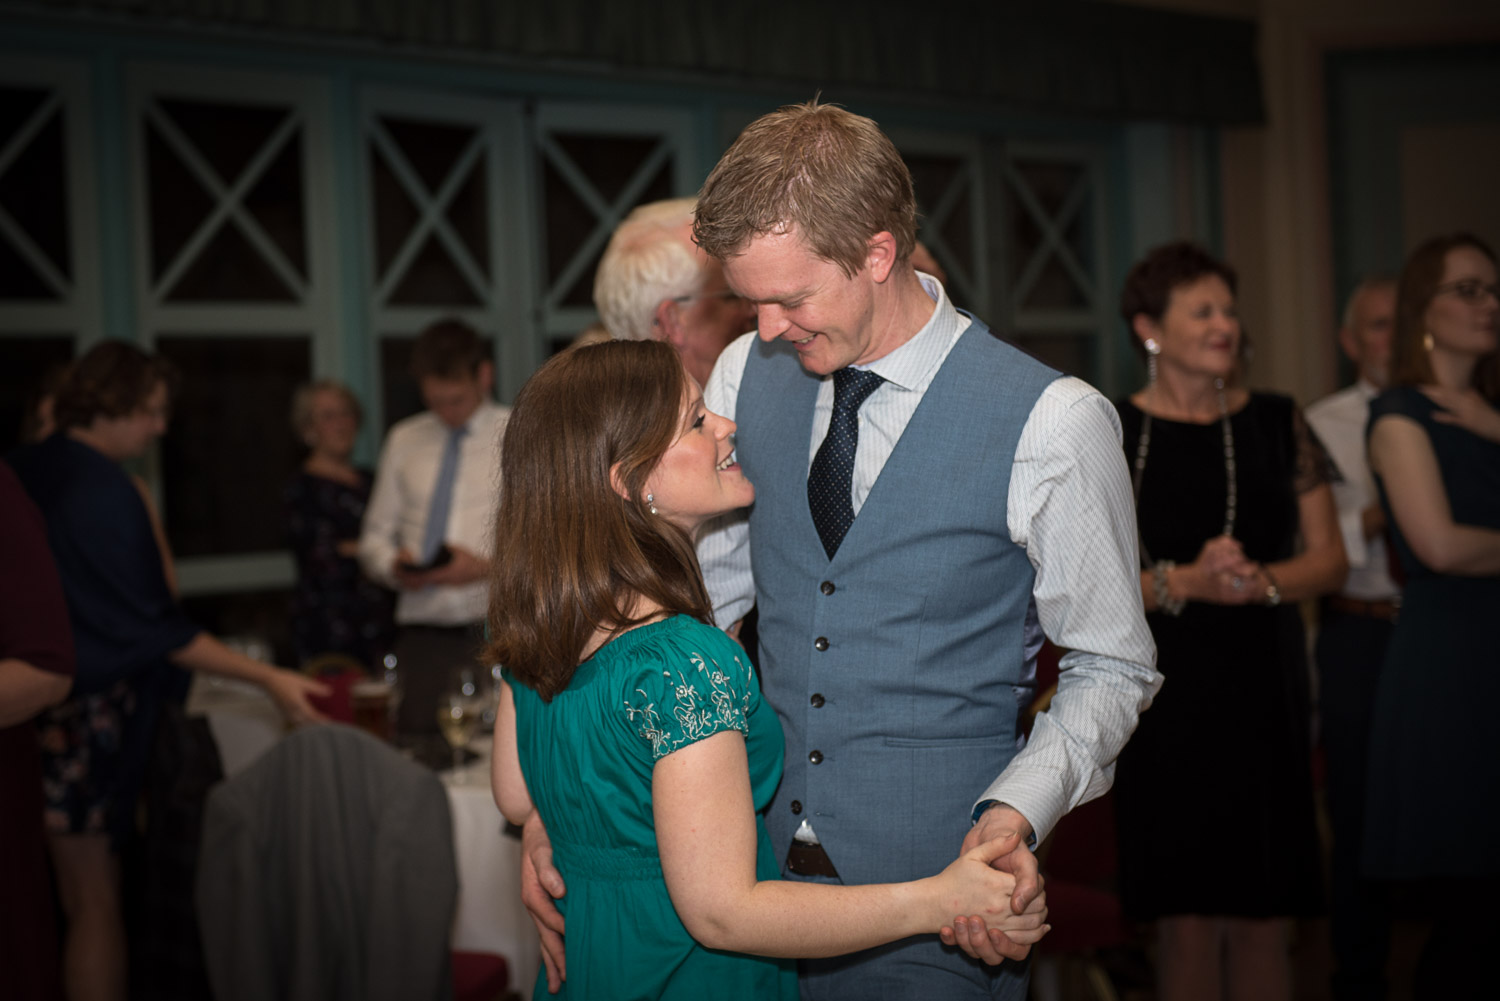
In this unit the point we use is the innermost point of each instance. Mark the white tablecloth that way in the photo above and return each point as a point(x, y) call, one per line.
point(490, 917)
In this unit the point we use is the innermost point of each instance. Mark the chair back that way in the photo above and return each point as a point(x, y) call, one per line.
point(327, 873)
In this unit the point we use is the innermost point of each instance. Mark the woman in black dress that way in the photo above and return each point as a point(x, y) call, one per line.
point(336, 608)
point(1434, 793)
point(1218, 843)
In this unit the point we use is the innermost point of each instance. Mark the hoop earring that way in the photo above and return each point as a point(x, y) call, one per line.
point(651, 503)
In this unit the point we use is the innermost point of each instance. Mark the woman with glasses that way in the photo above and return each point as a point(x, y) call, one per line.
point(1434, 793)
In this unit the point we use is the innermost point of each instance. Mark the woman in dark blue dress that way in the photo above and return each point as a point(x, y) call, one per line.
point(130, 636)
point(1434, 794)
point(336, 609)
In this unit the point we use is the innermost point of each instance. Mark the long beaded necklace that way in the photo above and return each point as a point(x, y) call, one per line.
point(1143, 448)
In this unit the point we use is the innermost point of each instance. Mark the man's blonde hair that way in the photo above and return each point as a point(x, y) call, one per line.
point(831, 175)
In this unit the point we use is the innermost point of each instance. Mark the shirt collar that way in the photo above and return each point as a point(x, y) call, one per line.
point(1367, 389)
point(913, 364)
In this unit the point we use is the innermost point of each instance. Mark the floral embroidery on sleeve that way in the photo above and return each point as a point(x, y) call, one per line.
point(689, 717)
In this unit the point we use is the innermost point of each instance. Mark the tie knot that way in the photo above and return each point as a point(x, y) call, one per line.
point(457, 434)
point(852, 386)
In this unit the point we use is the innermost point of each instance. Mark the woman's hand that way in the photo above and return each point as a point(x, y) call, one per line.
point(1221, 574)
point(1465, 408)
point(291, 690)
point(980, 897)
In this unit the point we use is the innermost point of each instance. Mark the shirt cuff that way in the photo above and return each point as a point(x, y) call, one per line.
point(985, 804)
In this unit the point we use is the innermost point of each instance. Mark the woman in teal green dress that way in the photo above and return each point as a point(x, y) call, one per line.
point(635, 728)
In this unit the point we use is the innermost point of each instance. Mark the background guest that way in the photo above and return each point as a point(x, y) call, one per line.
point(427, 530)
point(1434, 794)
point(36, 671)
point(335, 608)
point(1218, 842)
point(1353, 629)
point(129, 634)
point(654, 283)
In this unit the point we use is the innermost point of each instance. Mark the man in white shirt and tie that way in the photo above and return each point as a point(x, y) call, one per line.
point(1354, 629)
point(427, 531)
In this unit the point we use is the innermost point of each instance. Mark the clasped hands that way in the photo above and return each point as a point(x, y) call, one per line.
point(1223, 575)
point(998, 840)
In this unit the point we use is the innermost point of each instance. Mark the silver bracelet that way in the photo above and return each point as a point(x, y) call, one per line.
point(1164, 600)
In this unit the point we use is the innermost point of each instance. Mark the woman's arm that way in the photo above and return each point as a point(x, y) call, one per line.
point(706, 833)
point(1401, 455)
point(288, 689)
point(26, 690)
point(509, 785)
point(1321, 566)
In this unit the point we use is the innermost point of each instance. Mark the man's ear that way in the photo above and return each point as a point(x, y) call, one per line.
point(880, 255)
point(666, 323)
point(1350, 344)
point(485, 376)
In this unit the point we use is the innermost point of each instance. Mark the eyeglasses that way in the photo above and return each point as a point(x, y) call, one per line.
point(1470, 290)
point(683, 300)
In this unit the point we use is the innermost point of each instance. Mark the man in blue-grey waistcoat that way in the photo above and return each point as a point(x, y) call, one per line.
point(928, 501)
point(920, 487)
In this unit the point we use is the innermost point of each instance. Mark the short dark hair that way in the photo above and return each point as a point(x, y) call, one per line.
point(113, 379)
point(447, 349)
point(1420, 278)
point(1150, 283)
point(572, 554)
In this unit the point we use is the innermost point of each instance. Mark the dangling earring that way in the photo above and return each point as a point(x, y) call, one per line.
point(1427, 341)
point(1152, 350)
point(651, 502)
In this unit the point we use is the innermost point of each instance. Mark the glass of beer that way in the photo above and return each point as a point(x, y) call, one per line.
point(371, 701)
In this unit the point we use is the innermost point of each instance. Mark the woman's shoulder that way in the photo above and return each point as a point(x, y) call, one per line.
point(676, 643)
point(1402, 401)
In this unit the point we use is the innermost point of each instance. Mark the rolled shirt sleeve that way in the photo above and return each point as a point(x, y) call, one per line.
point(1070, 507)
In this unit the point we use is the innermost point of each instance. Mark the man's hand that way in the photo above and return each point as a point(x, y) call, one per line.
point(463, 568)
point(541, 885)
point(990, 945)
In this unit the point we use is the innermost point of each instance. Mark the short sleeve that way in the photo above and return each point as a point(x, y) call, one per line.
point(687, 697)
point(1314, 465)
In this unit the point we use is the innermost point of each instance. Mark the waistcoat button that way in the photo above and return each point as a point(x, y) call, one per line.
point(817, 702)
point(796, 806)
point(820, 644)
point(816, 757)
point(826, 587)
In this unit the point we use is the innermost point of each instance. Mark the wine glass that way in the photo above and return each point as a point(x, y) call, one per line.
point(458, 716)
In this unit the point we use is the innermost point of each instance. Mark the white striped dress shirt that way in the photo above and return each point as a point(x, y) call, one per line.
point(1068, 505)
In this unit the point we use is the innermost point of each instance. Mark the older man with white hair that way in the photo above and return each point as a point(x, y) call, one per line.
point(654, 283)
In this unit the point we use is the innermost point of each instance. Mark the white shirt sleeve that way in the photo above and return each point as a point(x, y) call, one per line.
point(378, 530)
point(1070, 506)
point(724, 544)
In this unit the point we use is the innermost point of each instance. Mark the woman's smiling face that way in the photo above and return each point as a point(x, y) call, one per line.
point(697, 478)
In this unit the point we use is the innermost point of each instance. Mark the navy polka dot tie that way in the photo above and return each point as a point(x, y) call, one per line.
point(831, 479)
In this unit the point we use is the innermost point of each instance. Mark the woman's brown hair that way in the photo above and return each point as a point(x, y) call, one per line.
point(1419, 281)
point(572, 555)
point(114, 379)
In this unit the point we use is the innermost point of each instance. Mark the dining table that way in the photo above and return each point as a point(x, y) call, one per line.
point(489, 916)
